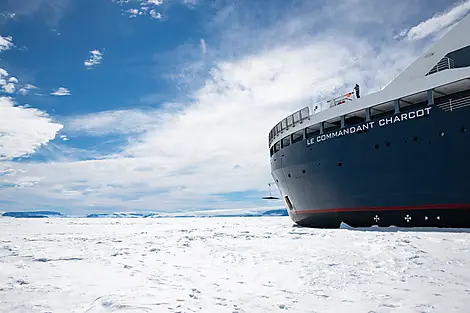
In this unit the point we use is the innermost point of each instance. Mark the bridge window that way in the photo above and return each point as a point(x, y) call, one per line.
point(312, 131)
point(355, 118)
point(298, 136)
point(285, 141)
point(332, 124)
point(277, 146)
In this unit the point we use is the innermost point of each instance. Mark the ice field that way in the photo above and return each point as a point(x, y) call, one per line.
point(258, 264)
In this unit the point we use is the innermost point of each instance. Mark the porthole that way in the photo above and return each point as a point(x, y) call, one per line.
point(441, 134)
point(463, 129)
point(376, 146)
point(415, 139)
point(288, 175)
point(406, 141)
point(388, 144)
point(340, 163)
point(304, 171)
point(318, 163)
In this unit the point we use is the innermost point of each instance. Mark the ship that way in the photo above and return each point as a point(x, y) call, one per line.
point(399, 156)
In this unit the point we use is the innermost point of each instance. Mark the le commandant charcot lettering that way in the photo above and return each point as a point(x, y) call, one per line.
point(369, 125)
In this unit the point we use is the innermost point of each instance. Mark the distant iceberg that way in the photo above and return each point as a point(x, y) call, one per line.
point(33, 214)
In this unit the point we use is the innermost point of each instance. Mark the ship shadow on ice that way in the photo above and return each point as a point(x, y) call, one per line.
point(393, 229)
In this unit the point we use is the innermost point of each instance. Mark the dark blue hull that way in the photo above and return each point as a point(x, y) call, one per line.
point(410, 173)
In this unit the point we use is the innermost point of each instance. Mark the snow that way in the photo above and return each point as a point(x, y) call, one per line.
point(228, 265)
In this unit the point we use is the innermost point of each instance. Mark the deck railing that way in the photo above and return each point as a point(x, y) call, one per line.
point(455, 104)
point(305, 113)
point(444, 64)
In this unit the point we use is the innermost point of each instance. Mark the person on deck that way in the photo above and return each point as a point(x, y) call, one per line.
point(356, 89)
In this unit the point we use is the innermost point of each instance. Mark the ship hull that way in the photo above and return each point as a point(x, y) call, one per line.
point(413, 173)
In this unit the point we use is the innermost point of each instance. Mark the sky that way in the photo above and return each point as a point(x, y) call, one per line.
point(166, 105)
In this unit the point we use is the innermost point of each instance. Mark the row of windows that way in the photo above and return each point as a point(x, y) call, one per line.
point(339, 122)
point(356, 118)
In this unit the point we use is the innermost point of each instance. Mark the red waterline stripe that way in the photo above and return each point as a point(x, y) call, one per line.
point(387, 208)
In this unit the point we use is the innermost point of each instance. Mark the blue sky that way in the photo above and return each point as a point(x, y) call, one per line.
point(160, 105)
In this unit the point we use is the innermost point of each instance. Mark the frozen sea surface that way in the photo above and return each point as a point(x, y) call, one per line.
point(227, 265)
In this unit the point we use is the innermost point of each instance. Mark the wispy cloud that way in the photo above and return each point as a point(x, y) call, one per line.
point(23, 130)
point(62, 91)
point(6, 43)
point(203, 46)
point(95, 58)
point(114, 122)
point(26, 88)
point(438, 22)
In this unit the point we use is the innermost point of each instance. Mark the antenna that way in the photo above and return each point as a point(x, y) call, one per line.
point(270, 195)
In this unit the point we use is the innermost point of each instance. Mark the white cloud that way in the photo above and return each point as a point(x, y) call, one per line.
point(154, 2)
point(155, 15)
point(23, 130)
point(61, 92)
point(3, 73)
point(438, 22)
point(8, 88)
point(6, 43)
point(203, 46)
point(13, 80)
point(8, 15)
point(26, 88)
point(145, 8)
point(95, 58)
point(114, 122)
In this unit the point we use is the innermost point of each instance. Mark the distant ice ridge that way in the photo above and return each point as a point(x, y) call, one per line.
point(33, 214)
point(203, 213)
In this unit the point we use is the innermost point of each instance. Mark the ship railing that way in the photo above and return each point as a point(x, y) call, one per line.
point(455, 104)
point(305, 113)
point(445, 63)
point(289, 122)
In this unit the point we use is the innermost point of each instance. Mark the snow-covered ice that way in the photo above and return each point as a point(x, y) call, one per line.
point(261, 264)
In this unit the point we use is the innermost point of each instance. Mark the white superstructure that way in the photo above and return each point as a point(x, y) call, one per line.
point(433, 74)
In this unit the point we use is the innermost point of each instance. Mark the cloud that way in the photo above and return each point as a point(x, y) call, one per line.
point(95, 59)
point(9, 87)
point(26, 88)
point(144, 8)
point(23, 130)
point(114, 122)
point(61, 92)
point(203, 46)
point(49, 11)
point(6, 43)
point(155, 15)
point(438, 22)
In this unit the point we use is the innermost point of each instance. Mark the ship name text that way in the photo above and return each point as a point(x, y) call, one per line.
point(370, 125)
